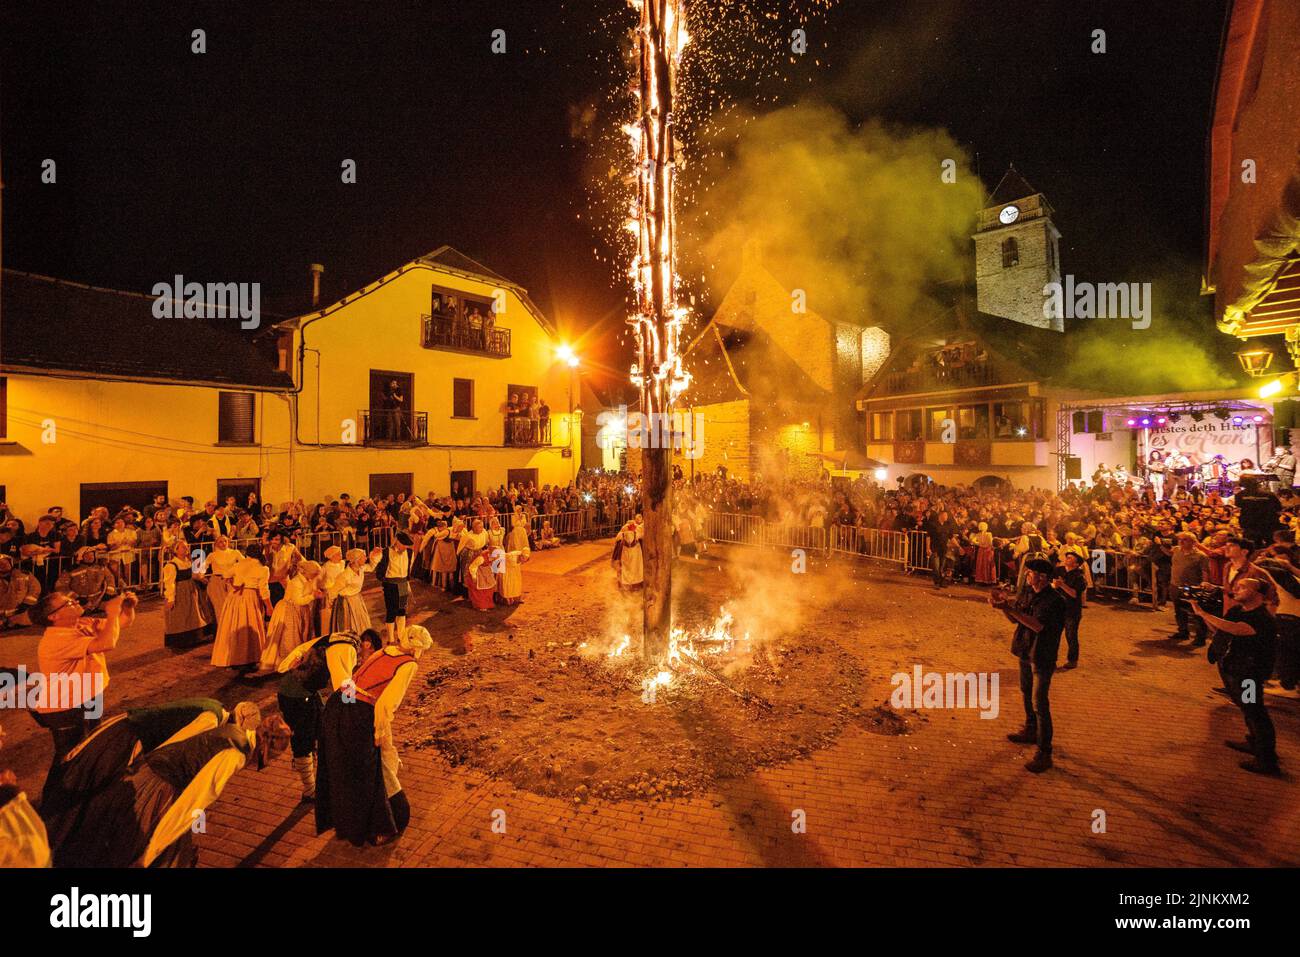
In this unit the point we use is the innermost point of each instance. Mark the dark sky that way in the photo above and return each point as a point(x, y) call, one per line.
point(226, 166)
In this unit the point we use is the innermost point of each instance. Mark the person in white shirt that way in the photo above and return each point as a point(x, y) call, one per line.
point(219, 568)
point(241, 632)
point(393, 572)
point(348, 610)
point(330, 569)
point(292, 619)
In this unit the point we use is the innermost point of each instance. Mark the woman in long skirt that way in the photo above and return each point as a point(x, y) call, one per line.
point(220, 566)
point(241, 633)
point(986, 572)
point(348, 610)
point(443, 564)
point(187, 621)
point(481, 578)
point(472, 541)
point(293, 620)
point(358, 793)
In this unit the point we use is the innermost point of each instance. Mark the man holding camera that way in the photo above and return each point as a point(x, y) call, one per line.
point(1039, 616)
point(1246, 663)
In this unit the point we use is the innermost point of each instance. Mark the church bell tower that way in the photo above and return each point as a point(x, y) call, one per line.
point(1017, 253)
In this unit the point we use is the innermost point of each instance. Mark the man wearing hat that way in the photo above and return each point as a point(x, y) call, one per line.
point(393, 572)
point(1039, 616)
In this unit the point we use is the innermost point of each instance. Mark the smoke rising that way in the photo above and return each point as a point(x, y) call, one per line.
point(857, 216)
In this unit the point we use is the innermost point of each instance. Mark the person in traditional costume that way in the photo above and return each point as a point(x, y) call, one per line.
point(282, 557)
point(517, 538)
point(73, 657)
point(188, 620)
point(19, 593)
point(293, 621)
point(442, 565)
point(481, 578)
point(90, 581)
point(394, 571)
point(23, 838)
point(628, 560)
point(116, 745)
point(496, 533)
point(241, 633)
point(472, 542)
point(358, 793)
point(348, 610)
point(547, 538)
point(219, 568)
point(510, 583)
point(146, 817)
point(986, 570)
point(312, 672)
point(330, 570)
point(685, 535)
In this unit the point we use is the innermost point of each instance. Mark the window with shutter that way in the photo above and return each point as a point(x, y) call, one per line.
point(235, 418)
point(462, 403)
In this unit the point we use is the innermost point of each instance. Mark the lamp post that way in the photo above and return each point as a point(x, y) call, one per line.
point(570, 358)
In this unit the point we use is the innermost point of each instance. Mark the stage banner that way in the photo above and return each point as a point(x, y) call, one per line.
point(1202, 441)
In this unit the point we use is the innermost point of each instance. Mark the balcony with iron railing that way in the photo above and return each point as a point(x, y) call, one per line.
point(522, 432)
point(456, 332)
point(395, 428)
point(934, 378)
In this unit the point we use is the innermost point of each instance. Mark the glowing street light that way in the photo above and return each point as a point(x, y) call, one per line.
point(566, 354)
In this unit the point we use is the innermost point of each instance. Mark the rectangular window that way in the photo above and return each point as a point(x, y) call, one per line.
point(521, 478)
point(973, 422)
point(384, 484)
point(462, 398)
point(882, 426)
point(235, 417)
point(1020, 420)
point(1010, 253)
point(907, 425)
point(934, 419)
point(115, 496)
point(462, 484)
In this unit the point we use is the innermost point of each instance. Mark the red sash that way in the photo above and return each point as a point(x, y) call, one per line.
point(376, 674)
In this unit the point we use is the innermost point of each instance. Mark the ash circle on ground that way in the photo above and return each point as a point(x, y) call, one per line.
point(557, 720)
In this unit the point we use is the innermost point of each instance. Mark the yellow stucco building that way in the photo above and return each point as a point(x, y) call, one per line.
point(399, 386)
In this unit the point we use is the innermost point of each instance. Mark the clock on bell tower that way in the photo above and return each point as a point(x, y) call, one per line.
point(1017, 253)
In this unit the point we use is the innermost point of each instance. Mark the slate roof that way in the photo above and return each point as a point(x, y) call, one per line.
point(53, 325)
point(1012, 187)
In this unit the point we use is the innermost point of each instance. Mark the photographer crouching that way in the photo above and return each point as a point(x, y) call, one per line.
point(1249, 637)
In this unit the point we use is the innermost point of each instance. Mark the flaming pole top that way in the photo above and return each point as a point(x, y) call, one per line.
point(661, 38)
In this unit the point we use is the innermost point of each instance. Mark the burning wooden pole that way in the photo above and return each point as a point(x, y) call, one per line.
point(658, 372)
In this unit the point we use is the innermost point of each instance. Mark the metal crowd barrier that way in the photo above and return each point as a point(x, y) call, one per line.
point(1126, 574)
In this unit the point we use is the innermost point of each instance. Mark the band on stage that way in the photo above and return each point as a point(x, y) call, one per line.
point(1176, 473)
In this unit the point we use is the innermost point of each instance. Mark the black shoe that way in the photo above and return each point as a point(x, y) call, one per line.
point(1198, 643)
point(1024, 736)
point(1223, 691)
point(1179, 636)
point(1243, 746)
point(1068, 666)
point(1040, 762)
point(1256, 766)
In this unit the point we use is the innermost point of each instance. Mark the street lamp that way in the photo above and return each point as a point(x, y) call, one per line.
point(1255, 362)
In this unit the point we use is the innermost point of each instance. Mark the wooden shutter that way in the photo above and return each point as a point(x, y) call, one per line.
point(235, 417)
point(462, 398)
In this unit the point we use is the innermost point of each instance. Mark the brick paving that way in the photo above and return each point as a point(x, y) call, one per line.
point(1139, 737)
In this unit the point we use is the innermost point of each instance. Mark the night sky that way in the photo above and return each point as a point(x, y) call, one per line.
point(226, 166)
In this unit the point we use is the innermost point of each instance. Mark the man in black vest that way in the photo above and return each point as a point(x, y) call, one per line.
point(1039, 616)
point(393, 572)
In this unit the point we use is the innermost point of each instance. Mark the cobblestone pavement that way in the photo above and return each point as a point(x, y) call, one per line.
point(1139, 736)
